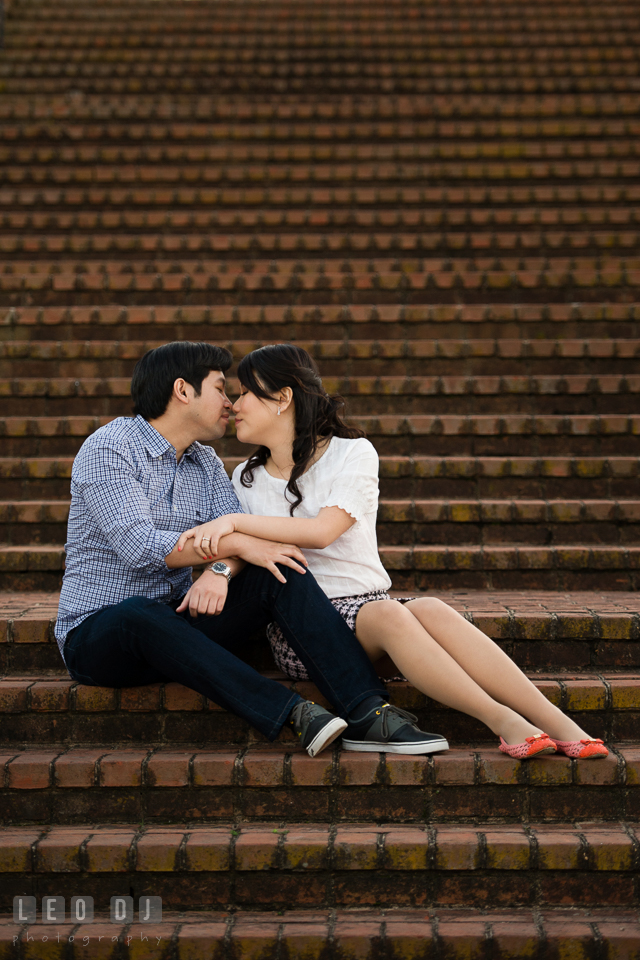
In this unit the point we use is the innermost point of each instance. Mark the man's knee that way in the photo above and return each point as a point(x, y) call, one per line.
point(303, 580)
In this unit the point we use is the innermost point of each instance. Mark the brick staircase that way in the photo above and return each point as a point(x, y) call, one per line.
point(441, 202)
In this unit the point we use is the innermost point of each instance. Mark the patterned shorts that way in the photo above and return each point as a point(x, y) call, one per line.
point(347, 607)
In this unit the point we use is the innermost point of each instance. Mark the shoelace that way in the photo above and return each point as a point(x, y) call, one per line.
point(398, 711)
point(303, 715)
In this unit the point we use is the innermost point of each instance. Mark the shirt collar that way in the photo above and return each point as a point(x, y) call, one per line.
point(153, 441)
point(193, 451)
point(156, 444)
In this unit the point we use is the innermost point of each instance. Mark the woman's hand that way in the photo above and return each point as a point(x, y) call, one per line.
point(207, 536)
point(207, 596)
point(265, 553)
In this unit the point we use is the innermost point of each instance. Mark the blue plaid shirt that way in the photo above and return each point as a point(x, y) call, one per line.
point(130, 501)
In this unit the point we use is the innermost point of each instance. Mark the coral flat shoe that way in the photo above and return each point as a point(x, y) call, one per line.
point(582, 749)
point(532, 746)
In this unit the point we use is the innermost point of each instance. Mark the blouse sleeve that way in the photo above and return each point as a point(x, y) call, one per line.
point(355, 488)
point(241, 492)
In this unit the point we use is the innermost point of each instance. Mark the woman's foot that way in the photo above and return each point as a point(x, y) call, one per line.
point(583, 749)
point(531, 747)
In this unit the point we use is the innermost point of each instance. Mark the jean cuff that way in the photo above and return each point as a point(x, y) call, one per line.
point(286, 710)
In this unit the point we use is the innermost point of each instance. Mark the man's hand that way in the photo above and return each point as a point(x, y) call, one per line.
point(266, 553)
point(207, 595)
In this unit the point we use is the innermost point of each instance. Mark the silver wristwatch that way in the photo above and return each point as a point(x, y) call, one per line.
point(222, 568)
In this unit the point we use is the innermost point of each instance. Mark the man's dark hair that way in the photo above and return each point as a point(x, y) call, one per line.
point(157, 371)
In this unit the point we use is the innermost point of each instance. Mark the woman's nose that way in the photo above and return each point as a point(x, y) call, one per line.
point(236, 405)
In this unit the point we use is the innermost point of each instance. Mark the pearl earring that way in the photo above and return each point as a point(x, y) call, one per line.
point(279, 411)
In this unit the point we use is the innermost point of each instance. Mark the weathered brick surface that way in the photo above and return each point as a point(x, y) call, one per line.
point(443, 210)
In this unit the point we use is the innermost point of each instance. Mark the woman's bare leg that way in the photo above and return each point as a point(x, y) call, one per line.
point(491, 668)
point(386, 626)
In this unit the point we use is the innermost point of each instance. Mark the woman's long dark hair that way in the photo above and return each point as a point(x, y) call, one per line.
point(317, 415)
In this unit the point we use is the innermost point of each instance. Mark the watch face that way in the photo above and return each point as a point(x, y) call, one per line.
point(220, 567)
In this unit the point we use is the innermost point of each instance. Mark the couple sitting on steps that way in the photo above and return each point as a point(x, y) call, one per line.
point(289, 545)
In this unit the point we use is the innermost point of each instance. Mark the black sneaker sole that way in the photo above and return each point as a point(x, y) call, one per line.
point(326, 736)
point(406, 747)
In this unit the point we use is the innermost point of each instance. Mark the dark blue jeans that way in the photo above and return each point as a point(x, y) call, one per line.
point(143, 641)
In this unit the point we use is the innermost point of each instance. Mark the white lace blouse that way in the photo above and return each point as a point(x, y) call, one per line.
point(346, 475)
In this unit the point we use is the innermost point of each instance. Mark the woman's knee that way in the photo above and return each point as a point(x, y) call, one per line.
point(381, 612)
point(429, 607)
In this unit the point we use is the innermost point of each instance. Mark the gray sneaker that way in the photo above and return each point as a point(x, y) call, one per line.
point(392, 730)
point(314, 726)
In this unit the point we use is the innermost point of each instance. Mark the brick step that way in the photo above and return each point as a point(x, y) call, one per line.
point(374, 23)
point(617, 282)
point(364, 865)
point(541, 630)
point(119, 14)
point(58, 784)
point(421, 326)
point(39, 709)
point(71, 272)
point(265, 35)
point(50, 708)
point(293, 106)
point(266, 205)
point(406, 81)
point(366, 396)
point(338, 174)
point(375, 19)
point(500, 934)
point(48, 478)
point(568, 566)
point(559, 241)
point(376, 387)
point(321, 57)
point(490, 477)
point(346, 357)
point(393, 435)
point(461, 932)
point(325, 76)
point(402, 522)
point(412, 522)
point(495, 145)
point(245, 219)
point(615, 328)
point(264, 40)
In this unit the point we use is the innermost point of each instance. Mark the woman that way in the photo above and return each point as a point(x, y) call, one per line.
point(313, 481)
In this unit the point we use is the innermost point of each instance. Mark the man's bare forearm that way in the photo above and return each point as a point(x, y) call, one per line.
point(233, 545)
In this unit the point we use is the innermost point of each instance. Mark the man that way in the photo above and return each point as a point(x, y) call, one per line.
point(129, 614)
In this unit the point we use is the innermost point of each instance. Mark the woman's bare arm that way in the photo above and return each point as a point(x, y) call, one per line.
point(314, 533)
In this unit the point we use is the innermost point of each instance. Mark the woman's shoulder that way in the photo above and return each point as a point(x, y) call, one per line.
point(356, 448)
